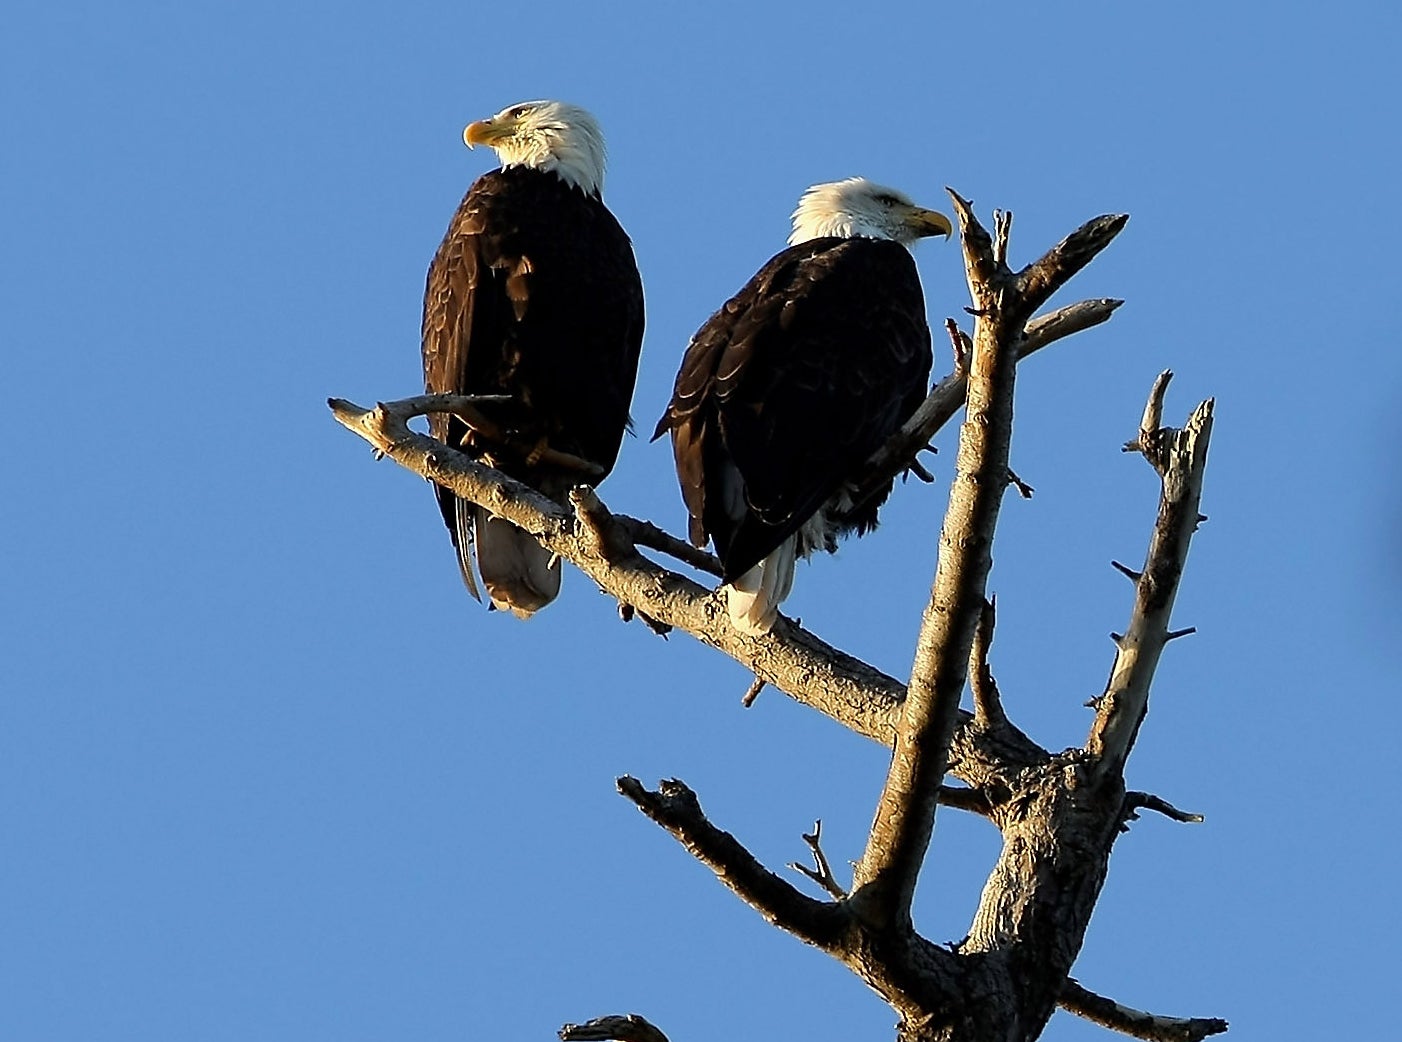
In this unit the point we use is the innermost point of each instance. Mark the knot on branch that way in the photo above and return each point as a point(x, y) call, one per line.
point(596, 526)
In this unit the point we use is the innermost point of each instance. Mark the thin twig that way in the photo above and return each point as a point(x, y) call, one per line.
point(1134, 801)
point(752, 692)
point(1023, 488)
point(1180, 458)
point(963, 346)
point(645, 533)
point(1125, 570)
point(1137, 1024)
point(988, 705)
point(822, 874)
point(1152, 420)
point(1002, 228)
point(947, 397)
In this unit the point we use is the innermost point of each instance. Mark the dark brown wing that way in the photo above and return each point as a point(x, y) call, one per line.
point(792, 385)
point(534, 293)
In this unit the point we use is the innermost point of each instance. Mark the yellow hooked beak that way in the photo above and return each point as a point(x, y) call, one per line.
point(485, 132)
point(926, 222)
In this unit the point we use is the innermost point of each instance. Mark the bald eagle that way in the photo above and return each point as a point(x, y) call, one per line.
point(534, 294)
point(790, 387)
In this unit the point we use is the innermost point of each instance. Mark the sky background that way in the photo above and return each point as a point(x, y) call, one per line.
point(267, 773)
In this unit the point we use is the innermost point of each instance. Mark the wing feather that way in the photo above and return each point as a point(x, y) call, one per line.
point(533, 293)
point(794, 383)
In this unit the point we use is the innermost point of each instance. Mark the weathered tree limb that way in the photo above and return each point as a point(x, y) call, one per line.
point(1060, 819)
point(1002, 303)
point(886, 876)
point(1059, 815)
point(1134, 801)
point(465, 408)
point(1049, 272)
point(646, 534)
point(789, 658)
point(966, 799)
point(627, 1027)
point(1180, 458)
point(1135, 1023)
point(675, 807)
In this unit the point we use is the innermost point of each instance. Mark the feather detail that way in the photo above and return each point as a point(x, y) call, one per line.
point(753, 600)
point(521, 576)
point(465, 541)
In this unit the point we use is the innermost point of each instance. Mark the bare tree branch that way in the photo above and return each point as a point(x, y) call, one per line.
point(628, 1027)
point(961, 798)
point(676, 808)
point(1044, 276)
point(1134, 801)
point(1061, 323)
point(988, 704)
point(1059, 815)
point(789, 658)
point(1153, 418)
point(821, 873)
point(465, 408)
point(1180, 458)
point(886, 877)
point(947, 396)
point(646, 534)
point(1128, 572)
point(1110, 1014)
point(1002, 229)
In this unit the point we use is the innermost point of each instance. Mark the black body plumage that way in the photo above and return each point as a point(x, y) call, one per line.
point(534, 293)
point(793, 384)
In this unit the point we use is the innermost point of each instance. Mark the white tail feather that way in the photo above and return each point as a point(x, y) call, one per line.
point(521, 576)
point(753, 599)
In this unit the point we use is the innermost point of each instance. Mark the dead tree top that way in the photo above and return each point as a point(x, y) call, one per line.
point(1059, 813)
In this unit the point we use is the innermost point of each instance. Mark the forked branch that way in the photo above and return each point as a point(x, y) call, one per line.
point(1002, 303)
point(675, 807)
point(886, 877)
point(1059, 814)
point(947, 397)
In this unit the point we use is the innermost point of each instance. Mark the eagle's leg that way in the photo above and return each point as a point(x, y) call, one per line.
point(479, 447)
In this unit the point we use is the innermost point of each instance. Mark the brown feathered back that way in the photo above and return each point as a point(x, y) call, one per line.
point(786, 391)
point(533, 293)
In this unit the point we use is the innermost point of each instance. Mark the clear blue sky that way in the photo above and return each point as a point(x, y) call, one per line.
point(267, 773)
